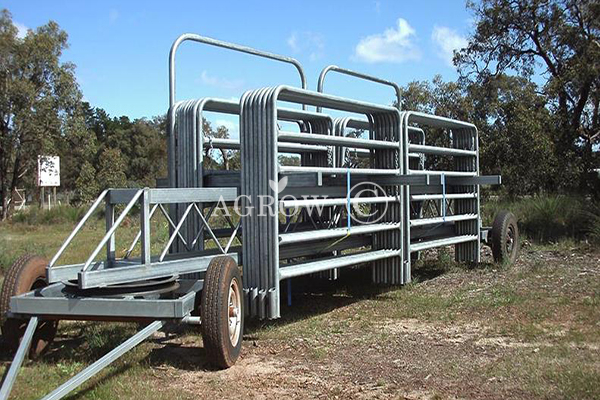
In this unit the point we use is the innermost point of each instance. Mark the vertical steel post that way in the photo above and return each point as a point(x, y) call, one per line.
point(145, 226)
point(109, 211)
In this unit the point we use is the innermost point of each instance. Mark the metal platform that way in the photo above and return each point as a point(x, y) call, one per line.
point(54, 302)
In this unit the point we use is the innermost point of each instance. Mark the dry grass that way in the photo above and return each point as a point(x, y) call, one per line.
point(527, 331)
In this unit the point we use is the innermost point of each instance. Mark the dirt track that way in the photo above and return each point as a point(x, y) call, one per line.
point(528, 331)
point(457, 334)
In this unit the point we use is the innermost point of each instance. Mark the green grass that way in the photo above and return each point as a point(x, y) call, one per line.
point(57, 215)
point(17, 239)
point(42, 232)
point(548, 305)
point(549, 218)
point(83, 343)
point(564, 371)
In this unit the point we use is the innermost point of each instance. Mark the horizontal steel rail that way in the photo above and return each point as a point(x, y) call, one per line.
point(52, 302)
point(290, 147)
point(479, 180)
point(301, 96)
point(435, 121)
point(298, 237)
point(446, 173)
point(161, 269)
point(442, 242)
point(451, 196)
point(312, 138)
point(337, 262)
point(175, 195)
point(443, 151)
point(336, 171)
point(441, 220)
point(233, 144)
point(336, 202)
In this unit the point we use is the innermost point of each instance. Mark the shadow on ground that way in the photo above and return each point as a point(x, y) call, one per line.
point(87, 342)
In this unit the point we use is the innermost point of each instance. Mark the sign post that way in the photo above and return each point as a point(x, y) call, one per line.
point(48, 175)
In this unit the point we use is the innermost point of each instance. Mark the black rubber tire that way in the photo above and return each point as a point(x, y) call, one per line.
point(505, 229)
point(214, 309)
point(27, 273)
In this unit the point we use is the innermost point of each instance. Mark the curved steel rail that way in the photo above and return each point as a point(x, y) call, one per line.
point(355, 74)
point(226, 45)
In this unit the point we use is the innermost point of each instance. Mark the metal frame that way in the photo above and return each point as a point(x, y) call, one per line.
point(426, 208)
point(91, 273)
point(259, 137)
point(335, 68)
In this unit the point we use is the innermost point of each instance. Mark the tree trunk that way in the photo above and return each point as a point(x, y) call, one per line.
point(4, 196)
point(225, 159)
point(588, 177)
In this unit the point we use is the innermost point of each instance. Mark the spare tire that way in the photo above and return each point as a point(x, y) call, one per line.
point(26, 274)
point(505, 237)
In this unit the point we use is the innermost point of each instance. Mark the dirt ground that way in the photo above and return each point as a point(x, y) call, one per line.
point(527, 331)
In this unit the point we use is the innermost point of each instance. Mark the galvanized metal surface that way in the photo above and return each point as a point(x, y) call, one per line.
point(11, 375)
point(418, 208)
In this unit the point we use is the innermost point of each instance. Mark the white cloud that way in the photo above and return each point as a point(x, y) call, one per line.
point(21, 30)
point(394, 45)
point(230, 125)
point(293, 42)
point(222, 83)
point(446, 41)
point(307, 42)
point(113, 15)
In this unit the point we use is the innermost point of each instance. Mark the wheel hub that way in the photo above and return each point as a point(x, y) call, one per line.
point(234, 314)
point(510, 240)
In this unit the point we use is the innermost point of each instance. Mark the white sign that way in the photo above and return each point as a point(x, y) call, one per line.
point(48, 171)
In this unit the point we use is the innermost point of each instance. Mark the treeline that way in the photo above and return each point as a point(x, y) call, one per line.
point(540, 137)
point(518, 134)
point(112, 152)
point(543, 137)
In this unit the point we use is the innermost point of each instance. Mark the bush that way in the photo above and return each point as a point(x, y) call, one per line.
point(594, 223)
point(56, 215)
point(549, 218)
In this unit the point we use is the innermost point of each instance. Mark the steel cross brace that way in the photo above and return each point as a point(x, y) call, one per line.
point(84, 375)
point(11, 376)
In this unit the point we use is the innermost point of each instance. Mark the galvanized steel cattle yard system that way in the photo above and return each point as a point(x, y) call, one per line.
point(315, 220)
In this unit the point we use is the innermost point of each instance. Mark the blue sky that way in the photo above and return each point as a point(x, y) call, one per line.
point(121, 48)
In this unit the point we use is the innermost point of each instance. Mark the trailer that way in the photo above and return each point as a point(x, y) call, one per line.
point(373, 187)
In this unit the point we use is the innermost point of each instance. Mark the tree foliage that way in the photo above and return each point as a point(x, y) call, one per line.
point(560, 39)
point(513, 121)
point(538, 137)
point(38, 98)
point(86, 184)
point(111, 172)
point(219, 158)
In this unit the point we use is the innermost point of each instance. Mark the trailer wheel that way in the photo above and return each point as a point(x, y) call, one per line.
point(222, 312)
point(505, 237)
point(26, 274)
